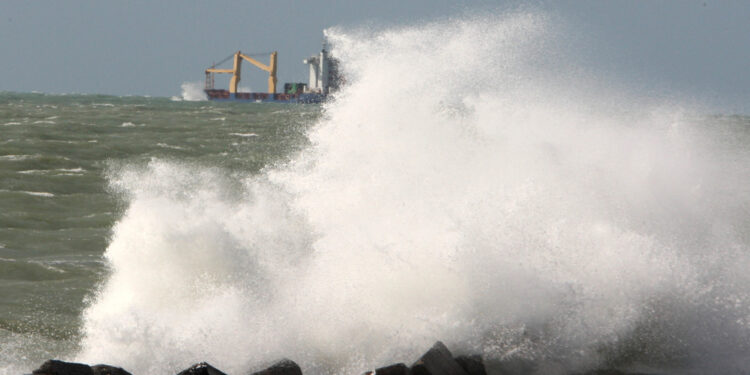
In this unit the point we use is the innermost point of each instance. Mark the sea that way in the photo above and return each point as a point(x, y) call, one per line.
point(514, 206)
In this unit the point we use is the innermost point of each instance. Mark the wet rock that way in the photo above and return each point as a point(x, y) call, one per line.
point(605, 372)
point(283, 367)
point(512, 366)
point(55, 367)
point(437, 361)
point(108, 370)
point(472, 364)
point(202, 368)
point(612, 372)
point(397, 369)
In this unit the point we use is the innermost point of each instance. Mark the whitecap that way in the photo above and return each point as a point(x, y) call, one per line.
point(71, 170)
point(37, 193)
point(164, 145)
point(46, 265)
point(17, 157)
point(33, 171)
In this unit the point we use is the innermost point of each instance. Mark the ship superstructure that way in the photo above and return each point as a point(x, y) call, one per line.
point(324, 73)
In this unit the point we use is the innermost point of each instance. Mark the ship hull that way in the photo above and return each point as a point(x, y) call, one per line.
point(262, 97)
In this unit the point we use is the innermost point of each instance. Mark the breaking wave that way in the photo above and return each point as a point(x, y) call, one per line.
point(470, 184)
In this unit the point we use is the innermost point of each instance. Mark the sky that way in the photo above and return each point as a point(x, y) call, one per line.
point(697, 48)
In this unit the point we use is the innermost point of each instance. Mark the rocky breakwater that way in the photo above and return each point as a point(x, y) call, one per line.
point(436, 361)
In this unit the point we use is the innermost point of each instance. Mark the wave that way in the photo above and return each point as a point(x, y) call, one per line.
point(470, 184)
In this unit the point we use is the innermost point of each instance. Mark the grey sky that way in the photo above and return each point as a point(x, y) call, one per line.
point(701, 48)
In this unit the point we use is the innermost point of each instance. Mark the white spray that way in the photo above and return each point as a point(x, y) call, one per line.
point(470, 185)
point(192, 92)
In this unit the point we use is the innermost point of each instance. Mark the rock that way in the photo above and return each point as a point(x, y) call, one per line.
point(512, 366)
point(397, 369)
point(609, 371)
point(55, 367)
point(282, 367)
point(108, 370)
point(202, 368)
point(437, 361)
point(472, 364)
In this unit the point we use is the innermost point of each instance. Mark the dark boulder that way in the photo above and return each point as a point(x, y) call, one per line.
point(55, 367)
point(108, 370)
point(397, 369)
point(512, 366)
point(472, 364)
point(202, 368)
point(283, 367)
point(437, 361)
point(612, 372)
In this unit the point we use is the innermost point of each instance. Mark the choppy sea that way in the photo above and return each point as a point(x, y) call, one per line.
point(57, 209)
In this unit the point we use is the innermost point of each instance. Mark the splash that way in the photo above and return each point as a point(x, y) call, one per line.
point(192, 92)
point(471, 184)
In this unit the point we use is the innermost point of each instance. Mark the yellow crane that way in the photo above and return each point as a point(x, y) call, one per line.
point(236, 71)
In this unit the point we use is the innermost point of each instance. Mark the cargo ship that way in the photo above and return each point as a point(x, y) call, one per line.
point(323, 80)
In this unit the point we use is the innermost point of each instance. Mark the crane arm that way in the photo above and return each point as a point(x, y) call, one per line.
point(256, 63)
point(270, 68)
point(212, 70)
point(236, 71)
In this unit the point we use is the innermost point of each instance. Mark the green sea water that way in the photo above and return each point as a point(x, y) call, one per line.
point(57, 212)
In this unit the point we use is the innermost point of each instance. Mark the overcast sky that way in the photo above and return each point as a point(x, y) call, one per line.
point(700, 47)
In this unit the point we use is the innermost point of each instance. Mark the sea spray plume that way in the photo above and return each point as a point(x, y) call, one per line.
point(192, 91)
point(192, 265)
point(468, 184)
point(451, 144)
